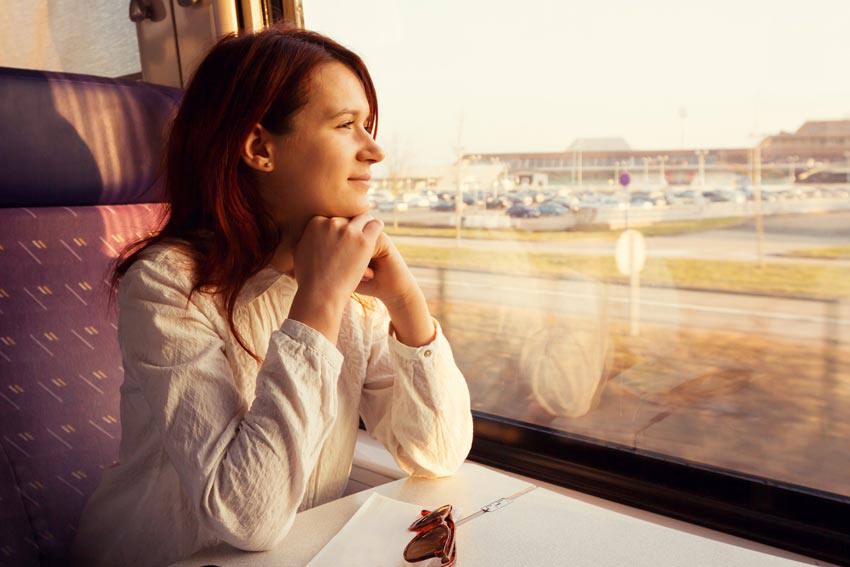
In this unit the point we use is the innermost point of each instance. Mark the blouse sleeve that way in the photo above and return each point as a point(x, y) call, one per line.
point(244, 468)
point(415, 401)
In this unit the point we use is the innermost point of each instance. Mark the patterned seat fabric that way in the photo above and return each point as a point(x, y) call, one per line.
point(60, 365)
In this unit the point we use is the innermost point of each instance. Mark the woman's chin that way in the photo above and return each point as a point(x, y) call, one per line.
point(349, 209)
point(357, 209)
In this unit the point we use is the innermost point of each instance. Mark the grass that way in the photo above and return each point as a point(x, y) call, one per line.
point(827, 253)
point(671, 228)
point(803, 280)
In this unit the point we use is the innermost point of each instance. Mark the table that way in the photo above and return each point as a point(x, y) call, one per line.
point(539, 528)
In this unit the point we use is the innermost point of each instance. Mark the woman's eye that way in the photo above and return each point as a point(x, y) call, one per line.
point(347, 124)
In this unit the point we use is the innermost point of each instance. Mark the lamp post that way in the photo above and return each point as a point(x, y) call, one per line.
point(792, 168)
point(661, 173)
point(579, 169)
point(459, 196)
point(701, 175)
point(757, 193)
point(573, 168)
point(847, 172)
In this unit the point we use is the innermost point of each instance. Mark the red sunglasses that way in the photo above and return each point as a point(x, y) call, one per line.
point(435, 537)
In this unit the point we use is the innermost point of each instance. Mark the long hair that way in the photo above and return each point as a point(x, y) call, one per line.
point(213, 207)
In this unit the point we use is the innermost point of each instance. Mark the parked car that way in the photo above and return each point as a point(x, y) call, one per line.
point(389, 206)
point(641, 201)
point(443, 205)
point(656, 198)
point(724, 196)
point(552, 209)
point(419, 202)
point(518, 210)
point(571, 202)
point(497, 202)
point(599, 202)
point(687, 197)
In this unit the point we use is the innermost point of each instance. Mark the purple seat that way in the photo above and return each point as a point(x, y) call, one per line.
point(79, 157)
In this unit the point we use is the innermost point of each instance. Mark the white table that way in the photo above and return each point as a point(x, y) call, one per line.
point(539, 528)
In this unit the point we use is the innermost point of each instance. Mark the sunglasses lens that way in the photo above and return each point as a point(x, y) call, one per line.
point(434, 517)
point(451, 556)
point(427, 544)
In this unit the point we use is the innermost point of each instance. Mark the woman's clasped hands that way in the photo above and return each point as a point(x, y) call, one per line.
point(336, 257)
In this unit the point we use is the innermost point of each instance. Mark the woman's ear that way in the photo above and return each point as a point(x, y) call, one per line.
point(257, 150)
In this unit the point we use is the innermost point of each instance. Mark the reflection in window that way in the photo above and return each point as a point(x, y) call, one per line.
point(739, 182)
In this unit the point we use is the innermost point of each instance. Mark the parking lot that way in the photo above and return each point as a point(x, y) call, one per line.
point(583, 209)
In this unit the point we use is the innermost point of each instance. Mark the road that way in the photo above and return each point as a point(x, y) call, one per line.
point(786, 318)
point(782, 236)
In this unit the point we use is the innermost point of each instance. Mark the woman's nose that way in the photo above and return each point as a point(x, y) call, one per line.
point(373, 152)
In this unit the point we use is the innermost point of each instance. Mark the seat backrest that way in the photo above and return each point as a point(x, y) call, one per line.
point(78, 182)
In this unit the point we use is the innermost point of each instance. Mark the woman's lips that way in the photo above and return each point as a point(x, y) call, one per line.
point(360, 181)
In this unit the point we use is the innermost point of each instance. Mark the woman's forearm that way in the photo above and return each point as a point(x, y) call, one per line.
point(412, 320)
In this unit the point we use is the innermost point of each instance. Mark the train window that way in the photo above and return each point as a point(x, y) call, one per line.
point(631, 219)
point(62, 36)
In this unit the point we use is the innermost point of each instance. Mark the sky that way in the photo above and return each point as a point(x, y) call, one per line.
point(534, 75)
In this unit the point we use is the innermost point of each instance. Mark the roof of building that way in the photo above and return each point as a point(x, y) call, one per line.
point(824, 128)
point(821, 128)
point(600, 145)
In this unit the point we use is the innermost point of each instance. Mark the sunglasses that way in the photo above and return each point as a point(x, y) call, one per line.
point(435, 537)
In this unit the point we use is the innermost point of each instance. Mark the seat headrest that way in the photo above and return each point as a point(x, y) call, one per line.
point(73, 139)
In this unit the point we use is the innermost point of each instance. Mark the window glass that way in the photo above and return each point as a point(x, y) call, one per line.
point(91, 37)
point(654, 209)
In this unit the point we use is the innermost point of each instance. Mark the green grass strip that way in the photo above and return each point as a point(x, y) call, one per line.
point(670, 228)
point(803, 280)
point(828, 253)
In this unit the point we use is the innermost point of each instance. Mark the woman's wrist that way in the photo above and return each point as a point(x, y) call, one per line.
point(411, 319)
point(323, 314)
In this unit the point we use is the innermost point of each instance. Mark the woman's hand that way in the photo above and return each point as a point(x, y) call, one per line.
point(330, 260)
point(391, 281)
point(388, 277)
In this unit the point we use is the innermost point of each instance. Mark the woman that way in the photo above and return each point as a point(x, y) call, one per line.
point(250, 333)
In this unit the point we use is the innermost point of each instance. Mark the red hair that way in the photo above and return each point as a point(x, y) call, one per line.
point(213, 208)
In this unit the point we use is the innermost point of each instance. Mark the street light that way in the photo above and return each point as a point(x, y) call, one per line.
point(757, 194)
point(662, 174)
point(701, 176)
point(792, 168)
point(847, 172)
point(577, 155)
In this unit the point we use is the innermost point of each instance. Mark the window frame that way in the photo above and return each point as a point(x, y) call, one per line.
point(795, 518)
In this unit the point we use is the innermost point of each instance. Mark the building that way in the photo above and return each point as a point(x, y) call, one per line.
point(818, 151)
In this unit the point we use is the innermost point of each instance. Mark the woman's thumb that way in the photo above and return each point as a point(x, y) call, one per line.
point(373, 228)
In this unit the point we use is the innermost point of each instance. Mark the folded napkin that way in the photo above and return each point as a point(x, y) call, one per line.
point(375, 535)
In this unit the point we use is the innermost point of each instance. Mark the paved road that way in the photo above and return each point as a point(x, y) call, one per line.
point(782, 235)
point(763, 315)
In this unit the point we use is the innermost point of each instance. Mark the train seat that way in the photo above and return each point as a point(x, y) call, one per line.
point(79, 180)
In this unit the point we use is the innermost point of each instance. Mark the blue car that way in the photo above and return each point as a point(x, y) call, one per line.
point(552, 209)
point(519, 210)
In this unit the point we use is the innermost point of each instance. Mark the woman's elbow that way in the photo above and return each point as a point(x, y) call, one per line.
point(258, 537)
point(249, 528)
point(448, 460)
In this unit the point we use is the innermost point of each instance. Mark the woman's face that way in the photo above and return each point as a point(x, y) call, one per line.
point(321, 166)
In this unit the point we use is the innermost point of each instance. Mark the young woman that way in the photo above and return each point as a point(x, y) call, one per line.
point(267, 315)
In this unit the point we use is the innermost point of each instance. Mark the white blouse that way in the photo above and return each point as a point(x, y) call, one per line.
point(216, 447)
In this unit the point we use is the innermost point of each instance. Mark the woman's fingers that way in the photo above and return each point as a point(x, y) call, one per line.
point(373, 229)
point(360, 222)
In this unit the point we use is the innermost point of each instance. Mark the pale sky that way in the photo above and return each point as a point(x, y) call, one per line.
point(533, 75)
